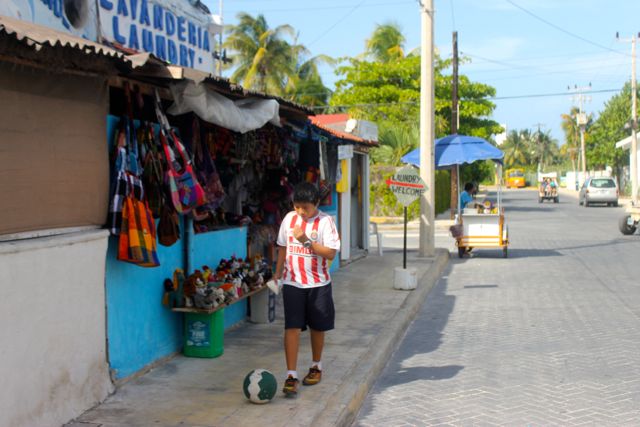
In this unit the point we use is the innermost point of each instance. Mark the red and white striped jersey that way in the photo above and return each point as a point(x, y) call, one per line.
point(303, 267)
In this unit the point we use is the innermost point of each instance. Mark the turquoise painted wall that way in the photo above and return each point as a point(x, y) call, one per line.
point(140, 330)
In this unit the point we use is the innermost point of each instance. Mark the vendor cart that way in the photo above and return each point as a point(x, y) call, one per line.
point(474, 228)
point(482, 230)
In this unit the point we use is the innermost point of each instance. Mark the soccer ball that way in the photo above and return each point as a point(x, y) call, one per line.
point(260, 386)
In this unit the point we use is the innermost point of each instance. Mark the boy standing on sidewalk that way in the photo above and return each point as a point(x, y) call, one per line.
point(307, 241)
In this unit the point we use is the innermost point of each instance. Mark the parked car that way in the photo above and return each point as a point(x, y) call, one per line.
point(599, 190)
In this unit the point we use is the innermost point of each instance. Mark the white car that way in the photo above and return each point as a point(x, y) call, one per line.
point(599, 190)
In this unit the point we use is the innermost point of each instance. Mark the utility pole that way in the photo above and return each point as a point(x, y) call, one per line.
point(581, 120)
point(634, 122)
point(454, 123)
point(427, 131)
point(540, 153)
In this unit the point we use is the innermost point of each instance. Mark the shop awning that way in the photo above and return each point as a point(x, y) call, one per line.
point(336, 124)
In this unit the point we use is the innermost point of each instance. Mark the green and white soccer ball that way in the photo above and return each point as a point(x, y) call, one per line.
point(260, 386)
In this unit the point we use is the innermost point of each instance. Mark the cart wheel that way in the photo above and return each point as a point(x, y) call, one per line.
point(556, 199)
point(505, 252)
point(461, 251)
point(624, 226)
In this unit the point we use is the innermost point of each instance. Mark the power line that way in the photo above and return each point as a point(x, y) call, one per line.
point(337, 22)
point(562, 29)
point(489, 98)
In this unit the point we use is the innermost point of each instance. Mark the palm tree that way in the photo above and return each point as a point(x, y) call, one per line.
point(517, 148)
point(571, 134)
point(386, 43)
point(262, 55)
point(545, 148)
point(305, 85)
point(395, 141)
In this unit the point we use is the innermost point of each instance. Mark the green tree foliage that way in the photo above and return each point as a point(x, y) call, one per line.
point(516, 148)
point(272, 61)
point(544, 149)
point(390, 92)
point(386, 43)
point(260, 54)
point(607, 130)
point(305, 85)
point(395, 140)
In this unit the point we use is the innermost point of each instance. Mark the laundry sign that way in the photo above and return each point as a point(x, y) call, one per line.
point(176, 31)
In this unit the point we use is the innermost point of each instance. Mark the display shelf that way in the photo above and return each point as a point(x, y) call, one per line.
point(221, 306)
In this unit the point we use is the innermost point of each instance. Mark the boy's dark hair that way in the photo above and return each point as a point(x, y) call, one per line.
point(305, 192)
point(468, 186)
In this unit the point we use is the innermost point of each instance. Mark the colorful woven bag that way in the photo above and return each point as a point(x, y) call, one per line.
point(137, 243)
point(186, 191)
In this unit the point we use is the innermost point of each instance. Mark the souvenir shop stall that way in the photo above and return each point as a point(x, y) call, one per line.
point(197, 203)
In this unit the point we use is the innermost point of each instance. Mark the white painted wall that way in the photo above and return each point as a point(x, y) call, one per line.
point(52, 338)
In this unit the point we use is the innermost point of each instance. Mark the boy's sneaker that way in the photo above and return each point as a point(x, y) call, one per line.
point(313, 377)
point(290, 388)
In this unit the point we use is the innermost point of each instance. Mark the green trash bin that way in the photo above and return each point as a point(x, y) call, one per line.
point(203, 334)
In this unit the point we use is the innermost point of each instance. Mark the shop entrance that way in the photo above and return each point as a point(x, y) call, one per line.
point(357, 220)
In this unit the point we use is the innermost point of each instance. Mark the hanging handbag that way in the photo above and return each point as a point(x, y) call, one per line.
point(137, 243)
point(186, 192)
point(152, 169)
point(168, 228)
point(125, 180)
point(206, 170)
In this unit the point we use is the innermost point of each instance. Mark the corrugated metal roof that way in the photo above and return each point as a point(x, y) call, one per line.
point(38, 36)
point(321, 123)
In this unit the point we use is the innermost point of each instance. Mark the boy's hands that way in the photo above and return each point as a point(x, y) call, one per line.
point(298, 233)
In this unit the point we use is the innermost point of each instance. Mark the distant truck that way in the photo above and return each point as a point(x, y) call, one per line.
point(548, 187)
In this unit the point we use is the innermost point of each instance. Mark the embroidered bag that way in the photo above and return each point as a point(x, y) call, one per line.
point(186, 192)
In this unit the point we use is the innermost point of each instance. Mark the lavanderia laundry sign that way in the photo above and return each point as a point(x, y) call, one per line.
point(176, 31)
point(179, 33)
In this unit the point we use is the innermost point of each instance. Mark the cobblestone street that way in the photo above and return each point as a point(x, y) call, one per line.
point(549, 336)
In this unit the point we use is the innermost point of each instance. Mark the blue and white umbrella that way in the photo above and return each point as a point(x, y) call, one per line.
point(456, 149)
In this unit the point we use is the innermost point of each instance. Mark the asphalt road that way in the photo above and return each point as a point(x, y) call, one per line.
point(549, 336)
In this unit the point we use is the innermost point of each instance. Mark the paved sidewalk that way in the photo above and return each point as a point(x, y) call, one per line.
point(371, 319)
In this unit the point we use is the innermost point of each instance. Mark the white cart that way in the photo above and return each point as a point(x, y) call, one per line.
point(482, 230)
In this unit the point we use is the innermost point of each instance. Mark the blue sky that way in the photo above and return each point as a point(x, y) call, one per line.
point(526, 49)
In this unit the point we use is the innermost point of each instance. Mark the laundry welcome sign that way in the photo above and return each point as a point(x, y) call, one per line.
point(176, 32)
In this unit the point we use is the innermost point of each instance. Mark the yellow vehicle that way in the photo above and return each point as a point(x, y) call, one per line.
point(514, 178)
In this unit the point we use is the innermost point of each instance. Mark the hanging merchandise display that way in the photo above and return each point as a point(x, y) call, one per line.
point(152, 168)
point(137, 242)
point(184, 188)
point(131, 217)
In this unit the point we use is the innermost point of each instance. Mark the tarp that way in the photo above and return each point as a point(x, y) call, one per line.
point(457, 150)
point(242, 116)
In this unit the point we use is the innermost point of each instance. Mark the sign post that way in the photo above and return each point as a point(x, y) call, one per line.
point(407, 186)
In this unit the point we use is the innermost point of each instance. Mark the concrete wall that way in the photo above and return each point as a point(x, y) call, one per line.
point(52, 346)
point(140, 329)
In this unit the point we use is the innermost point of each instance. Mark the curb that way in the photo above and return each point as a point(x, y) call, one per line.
point(342, 408)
